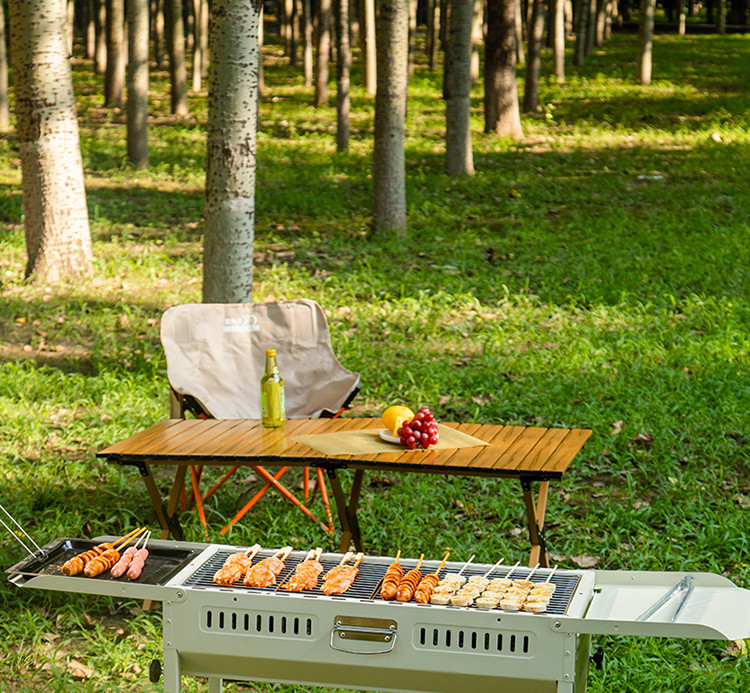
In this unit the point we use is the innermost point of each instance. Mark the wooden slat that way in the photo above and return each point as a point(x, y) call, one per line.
point(137, 438)
point(205, 437)
point(567, 451)
point(514, 456)
point(164, 439)
point(491, 456)
point(544, 449)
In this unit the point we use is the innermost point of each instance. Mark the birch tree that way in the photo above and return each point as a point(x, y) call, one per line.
point(230, 151)
point(501, 112)
point(58, 241)
point(389, 172)
point(137, 83)
point(114, 78)
point(343, 68)
point(4, 108)
point(177, 69)
point(322, 52)
point(459, 159)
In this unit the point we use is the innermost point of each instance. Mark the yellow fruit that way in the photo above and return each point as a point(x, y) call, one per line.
point(395, 415)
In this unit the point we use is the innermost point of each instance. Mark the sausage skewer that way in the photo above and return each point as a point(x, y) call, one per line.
point(139, 560)
point(120, 568)
point(428, 583)
point(77, 564)
point(235, 566)
point(391, 579)
point(409, 582)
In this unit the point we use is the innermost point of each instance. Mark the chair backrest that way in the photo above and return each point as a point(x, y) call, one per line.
point(216, 354)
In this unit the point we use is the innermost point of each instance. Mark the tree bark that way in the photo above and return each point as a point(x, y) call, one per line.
point(343, 68)
point(534, 58)
point(369, 48)
point(177, 69)
point(4, 107)
point(459, 159)
point(518, 12)
point(433, 33)
point(582, 23)
point(558, 41)
point(307, 43)
point(137, 105)
point(322, 52)
point(158, 22)
point(721, 19)
point(89, 28)
point(230, 151)
point(114, 80)
point(501, 112)
point(477, 39)
point(412, 35)
point(100, 56)
point(389, 171)
point(58, 240)
point(199, 6)
point(645, 40)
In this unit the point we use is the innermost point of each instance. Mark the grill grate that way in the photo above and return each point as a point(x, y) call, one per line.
point(371, 572)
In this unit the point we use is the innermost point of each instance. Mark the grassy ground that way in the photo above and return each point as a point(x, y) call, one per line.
point(594, 275)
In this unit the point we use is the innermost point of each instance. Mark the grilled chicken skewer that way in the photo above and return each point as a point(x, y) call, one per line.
point(392, 579)
point(428, 583)
point(340, 578)
point(77, 564)
point(306, 573)
point(265, 572)
point(235, 566)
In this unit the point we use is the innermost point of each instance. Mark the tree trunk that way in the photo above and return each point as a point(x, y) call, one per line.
point(682, 20)
point(645, 40)
point(4, 107)
point(591, 27)
point(322, 53)
point(230, 151)
point(534, 58)
point(558, 41)
point(100, 56)
point(343, 68)
point(389, 172)
point(518, 14)
point(114, 81)
point(369, 48)
point(433, 33)
point(71, 20)
point(477, 39)
point(307, 43)
point(412, 35)
point(137, 106)
point(501, 113)
point(56, 220)
point(459, 159)
point(199, 6)
point(581, 32)
point(158, 22)
point(177, 69)
point(721, 20)
point(89, 30)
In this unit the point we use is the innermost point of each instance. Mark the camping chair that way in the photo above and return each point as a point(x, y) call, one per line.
point(215, 360)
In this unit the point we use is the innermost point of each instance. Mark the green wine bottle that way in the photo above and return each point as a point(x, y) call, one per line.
point(272, 406)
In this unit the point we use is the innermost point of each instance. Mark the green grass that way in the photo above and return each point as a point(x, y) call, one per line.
point(593, 275)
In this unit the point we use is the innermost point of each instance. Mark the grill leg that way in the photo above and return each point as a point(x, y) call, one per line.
point(215, 685)
point(172, 679)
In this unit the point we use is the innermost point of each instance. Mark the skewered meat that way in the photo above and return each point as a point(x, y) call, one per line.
point(306, 574)
point(235, 566)
point(408, 585)
point(120, 568)
point(76, 564)
point(339, 579)
point(138, 563)
point(265, 572)
point(425, 588)
point(391, 581)
point(104, 561)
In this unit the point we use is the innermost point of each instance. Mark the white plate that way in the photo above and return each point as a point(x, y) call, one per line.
point(388, 437)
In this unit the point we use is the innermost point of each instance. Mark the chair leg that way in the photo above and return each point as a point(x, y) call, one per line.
point(194, 476)
point(324, 497)
point(269, 482)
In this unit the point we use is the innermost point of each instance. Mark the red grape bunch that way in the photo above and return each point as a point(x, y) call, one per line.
point(420, 432)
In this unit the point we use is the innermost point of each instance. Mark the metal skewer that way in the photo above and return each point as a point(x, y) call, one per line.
point(25, 533)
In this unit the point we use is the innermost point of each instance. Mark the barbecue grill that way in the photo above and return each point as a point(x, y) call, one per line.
point(356, 640)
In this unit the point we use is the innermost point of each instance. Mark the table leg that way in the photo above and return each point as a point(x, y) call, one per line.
point(535, 518)
point(166, 516)
point(347, 518)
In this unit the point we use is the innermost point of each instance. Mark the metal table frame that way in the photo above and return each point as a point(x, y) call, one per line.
point(533, 455)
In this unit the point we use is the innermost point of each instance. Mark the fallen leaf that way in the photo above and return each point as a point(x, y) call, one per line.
point(78, 670)
point(585, 561)
point(642, 440)
point(517, 531)
point(616, 428)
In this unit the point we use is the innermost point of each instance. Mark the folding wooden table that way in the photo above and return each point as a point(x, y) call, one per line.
point(530, 454)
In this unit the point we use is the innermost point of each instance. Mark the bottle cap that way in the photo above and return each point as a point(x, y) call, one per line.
point(270, 352)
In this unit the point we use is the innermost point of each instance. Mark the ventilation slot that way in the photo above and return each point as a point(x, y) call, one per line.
point(237, 621)
point(470, 640)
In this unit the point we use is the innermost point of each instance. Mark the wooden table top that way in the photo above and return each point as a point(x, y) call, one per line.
point(512, 451)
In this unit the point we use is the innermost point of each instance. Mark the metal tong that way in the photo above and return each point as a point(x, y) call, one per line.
point(14, 533)
point(683, 587)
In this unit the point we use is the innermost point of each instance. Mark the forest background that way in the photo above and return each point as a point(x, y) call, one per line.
point(593, 274)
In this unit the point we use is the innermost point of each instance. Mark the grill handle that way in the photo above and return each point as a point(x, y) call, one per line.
point(363, 635)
